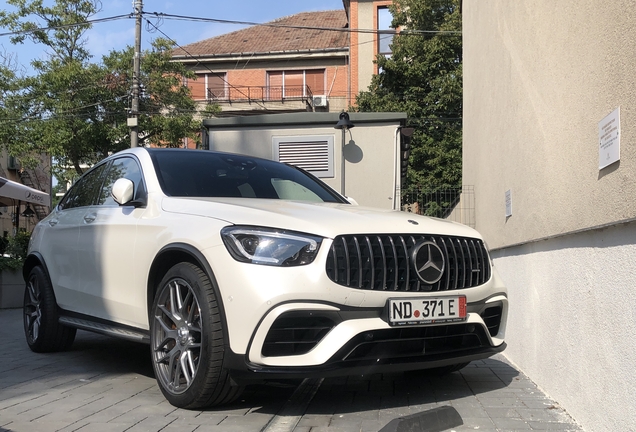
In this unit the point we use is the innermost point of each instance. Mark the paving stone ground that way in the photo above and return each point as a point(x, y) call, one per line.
point(104, 384)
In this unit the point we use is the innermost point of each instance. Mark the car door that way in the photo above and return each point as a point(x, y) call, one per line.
point(59, 245)
point(106, 245)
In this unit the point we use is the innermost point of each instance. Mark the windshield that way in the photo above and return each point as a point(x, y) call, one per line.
point(200, 173)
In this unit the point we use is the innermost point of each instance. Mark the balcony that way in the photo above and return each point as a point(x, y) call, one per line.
point(262, 98)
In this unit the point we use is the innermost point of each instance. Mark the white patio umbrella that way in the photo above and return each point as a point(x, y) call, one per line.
point(20, 192)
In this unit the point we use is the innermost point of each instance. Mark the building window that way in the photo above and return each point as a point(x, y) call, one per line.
point(311, 153)
point(209, 86)
point(385, 32)
point(216, 85)
point(295, 84)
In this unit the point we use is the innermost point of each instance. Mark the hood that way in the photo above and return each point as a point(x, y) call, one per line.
point(323, 219)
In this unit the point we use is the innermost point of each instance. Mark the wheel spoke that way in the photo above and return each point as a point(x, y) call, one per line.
point(35, 328)
point(188, 306)
point(32, 313)
point(33, 297)
point(187, 366)
point(169, 331)
point(175, 300)
point(176, 373)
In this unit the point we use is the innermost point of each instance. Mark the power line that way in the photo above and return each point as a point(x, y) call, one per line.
point(207, 67)
point(274, 24)
point(83, 23)
point(163, 15)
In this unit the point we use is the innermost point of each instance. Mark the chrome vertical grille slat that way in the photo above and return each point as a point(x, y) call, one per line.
point(383, 266)
point(371, 262)
point(395, 264)
point(347, 261)
point(383, 262)
point(359, 255)
point(469, 271)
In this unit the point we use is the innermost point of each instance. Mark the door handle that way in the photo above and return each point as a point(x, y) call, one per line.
point(90, 217)
point(53, 222)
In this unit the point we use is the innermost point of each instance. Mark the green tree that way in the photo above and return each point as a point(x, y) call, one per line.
point(423, 77)
point(76, 110)
point(8, 115)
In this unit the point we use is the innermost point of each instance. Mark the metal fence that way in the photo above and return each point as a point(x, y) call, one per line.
point(259, 94)
point(456, 204)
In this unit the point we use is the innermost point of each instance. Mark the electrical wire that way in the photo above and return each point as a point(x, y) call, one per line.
point(273, 24)
point(83, 23)
point(221, 76)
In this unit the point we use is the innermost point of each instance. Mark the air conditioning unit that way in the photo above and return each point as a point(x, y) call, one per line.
point(320, 101)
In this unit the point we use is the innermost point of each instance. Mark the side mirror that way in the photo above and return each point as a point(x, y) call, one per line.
point(122, 191)
point(352, 201)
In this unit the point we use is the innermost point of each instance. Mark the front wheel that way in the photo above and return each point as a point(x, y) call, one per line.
point(187, 342)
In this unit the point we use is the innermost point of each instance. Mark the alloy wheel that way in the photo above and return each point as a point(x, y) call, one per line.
point(33, 309)
point(177, 338)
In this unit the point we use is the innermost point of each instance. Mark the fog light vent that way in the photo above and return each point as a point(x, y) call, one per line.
point(296, 333)
point(492, 318)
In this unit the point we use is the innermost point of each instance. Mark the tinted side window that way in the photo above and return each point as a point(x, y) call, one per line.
point(121, 168)
point(85, 191)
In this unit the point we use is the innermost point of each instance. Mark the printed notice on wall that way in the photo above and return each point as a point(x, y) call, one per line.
point(609, 139)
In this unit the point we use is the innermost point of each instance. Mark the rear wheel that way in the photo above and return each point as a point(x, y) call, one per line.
point(42, 329)
point(187, 341)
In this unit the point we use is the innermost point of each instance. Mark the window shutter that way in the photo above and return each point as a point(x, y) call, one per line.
point(316, 81)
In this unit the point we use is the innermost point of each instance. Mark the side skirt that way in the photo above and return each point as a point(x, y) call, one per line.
point(107, 329)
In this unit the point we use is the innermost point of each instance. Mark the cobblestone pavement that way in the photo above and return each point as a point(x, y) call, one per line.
point(104, 385)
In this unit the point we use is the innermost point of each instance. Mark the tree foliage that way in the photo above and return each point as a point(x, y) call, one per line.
point(76, 110)
point(423, 77)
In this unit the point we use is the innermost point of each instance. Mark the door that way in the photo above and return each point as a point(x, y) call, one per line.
point(110, 281)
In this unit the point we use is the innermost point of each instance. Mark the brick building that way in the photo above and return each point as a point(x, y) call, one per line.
point(311, 61)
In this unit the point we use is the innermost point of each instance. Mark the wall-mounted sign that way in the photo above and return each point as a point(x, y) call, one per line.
point(508, 203)
point(609, 139)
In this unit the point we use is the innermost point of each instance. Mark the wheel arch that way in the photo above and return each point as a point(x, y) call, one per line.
point(33, 260)
point(173, 254)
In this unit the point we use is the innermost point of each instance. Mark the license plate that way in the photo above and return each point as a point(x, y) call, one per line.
point(418, 311)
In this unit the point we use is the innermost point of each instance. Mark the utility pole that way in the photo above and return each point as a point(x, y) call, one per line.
point(133, 119)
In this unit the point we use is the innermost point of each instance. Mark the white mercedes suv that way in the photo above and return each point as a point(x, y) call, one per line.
point(236, 269)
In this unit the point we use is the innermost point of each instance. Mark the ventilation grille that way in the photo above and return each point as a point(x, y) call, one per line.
point(416, 342)
point(383, 262)
point(310, 156)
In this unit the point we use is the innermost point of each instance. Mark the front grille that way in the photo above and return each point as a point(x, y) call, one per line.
point(296, 333)
point(383, 262)
point(416, 342)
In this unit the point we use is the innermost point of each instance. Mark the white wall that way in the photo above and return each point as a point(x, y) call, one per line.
point(572, 322)
point(539, 75)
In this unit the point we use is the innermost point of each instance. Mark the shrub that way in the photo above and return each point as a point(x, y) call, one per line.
point(15, 251)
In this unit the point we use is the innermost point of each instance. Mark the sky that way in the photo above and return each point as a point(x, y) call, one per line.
point(115, 35)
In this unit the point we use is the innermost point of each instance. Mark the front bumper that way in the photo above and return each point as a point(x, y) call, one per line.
point(296, 323)
point(302, 340)
point(313, 340)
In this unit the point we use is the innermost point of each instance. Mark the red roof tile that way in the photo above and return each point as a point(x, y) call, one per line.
point(266, 38)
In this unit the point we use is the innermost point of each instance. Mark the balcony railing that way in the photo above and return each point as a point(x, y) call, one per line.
point(260, 94)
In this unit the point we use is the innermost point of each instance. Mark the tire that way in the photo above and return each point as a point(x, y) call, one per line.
point(186, 341)
point(42, 329)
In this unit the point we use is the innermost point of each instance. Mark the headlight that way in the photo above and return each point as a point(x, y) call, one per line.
point(270, 247)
